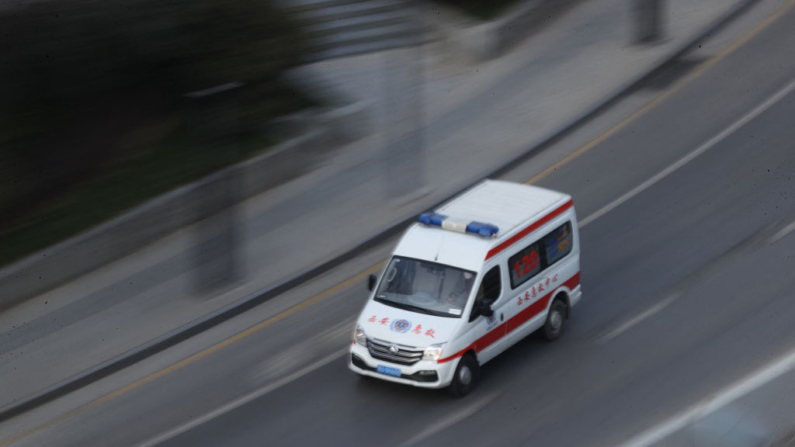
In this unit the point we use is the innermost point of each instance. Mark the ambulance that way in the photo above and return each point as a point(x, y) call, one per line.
point(466, 282)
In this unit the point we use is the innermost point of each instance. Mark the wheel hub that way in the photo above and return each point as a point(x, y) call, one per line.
point(465, 375)
point(556, 320)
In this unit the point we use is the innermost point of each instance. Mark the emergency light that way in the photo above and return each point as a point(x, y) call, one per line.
point(474, 227)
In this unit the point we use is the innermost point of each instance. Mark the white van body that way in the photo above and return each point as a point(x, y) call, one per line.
point(405, 335)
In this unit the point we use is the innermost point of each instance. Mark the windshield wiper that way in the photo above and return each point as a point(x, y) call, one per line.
point(407, 306)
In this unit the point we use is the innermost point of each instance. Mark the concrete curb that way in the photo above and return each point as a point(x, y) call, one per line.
point(473, 42)
point(234, 309)
point(349, 123)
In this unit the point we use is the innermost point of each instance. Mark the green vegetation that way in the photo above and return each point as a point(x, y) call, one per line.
point(481, 9)
point(153, 170)
point(93, 113)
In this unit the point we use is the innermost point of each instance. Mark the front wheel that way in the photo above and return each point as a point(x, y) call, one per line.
point(466, 376)
point(554, 324)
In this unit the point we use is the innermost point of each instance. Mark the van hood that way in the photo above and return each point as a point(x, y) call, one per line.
point(404, 327)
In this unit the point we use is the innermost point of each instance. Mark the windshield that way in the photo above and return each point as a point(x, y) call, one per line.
point(425, 287)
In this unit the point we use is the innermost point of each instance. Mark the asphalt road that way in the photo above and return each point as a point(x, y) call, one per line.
point(687, 284)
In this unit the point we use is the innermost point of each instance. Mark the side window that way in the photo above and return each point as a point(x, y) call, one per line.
point(490, 287)
point(529, 262)
point(558, 243)
point(524, 265)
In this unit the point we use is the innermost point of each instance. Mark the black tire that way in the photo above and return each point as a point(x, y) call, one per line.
point(553, 327)
point(466, 376)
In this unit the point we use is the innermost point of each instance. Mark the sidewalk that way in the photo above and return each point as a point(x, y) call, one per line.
point(475, 120)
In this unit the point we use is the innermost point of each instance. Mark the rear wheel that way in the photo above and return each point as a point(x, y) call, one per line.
point(554, 324)
point(466, 376)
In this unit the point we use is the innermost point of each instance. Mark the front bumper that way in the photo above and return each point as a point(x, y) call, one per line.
point(575, 296)
point(360, 362)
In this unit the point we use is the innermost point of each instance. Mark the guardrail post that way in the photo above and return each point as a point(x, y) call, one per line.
point(403, 155)
point(648, 20)
point(215, 254)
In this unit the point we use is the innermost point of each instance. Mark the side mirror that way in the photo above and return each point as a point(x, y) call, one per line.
point(486, 308)
point(371, 281)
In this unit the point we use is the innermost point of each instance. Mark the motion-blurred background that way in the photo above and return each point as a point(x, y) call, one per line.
point(97, 116)
point(192, 193)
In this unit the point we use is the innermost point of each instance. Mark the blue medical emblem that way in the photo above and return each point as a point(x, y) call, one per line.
point(400, 326)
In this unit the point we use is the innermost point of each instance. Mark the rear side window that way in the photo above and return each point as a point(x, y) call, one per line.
point(524, 265)
point(538, 256)
point(558, 243)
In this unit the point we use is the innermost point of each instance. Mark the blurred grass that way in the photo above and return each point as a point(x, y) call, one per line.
point(151, 161)
point(481, 9)
point(93, 115)
point(143, 175)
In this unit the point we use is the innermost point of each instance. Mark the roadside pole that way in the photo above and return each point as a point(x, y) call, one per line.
point(403, 153)
point(215, 253)
point(648, 21)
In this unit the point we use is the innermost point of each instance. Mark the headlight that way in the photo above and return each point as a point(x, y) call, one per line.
point(360, 336)
point(434, 352)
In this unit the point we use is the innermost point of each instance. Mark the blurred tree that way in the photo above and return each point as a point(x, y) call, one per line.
point(76, 76)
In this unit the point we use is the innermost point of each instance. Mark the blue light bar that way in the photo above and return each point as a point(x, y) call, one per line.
point(432, 219)
point(483, 229)
point(479, 228)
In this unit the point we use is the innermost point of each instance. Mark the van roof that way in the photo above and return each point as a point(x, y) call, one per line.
point(510, 206)
point(504, 204)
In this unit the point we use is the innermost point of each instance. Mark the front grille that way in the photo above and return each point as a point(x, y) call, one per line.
point(380, 350)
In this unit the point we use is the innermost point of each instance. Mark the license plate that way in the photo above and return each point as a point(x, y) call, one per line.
point(388, 371)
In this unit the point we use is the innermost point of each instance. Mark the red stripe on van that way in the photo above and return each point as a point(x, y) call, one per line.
point(518, 236)
point(517, 320)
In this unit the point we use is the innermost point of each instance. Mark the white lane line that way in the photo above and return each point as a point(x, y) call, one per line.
point(302, 353)
point(785, 231)
point(746, 385)
point(453, 419)
point(638, 318)
point(689, 157)
point(242, 401)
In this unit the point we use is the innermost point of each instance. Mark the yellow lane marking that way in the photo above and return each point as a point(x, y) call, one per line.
point(196, 357)
point(664, 95)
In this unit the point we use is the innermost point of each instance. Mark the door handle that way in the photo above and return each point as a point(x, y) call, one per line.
point(502, 317)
